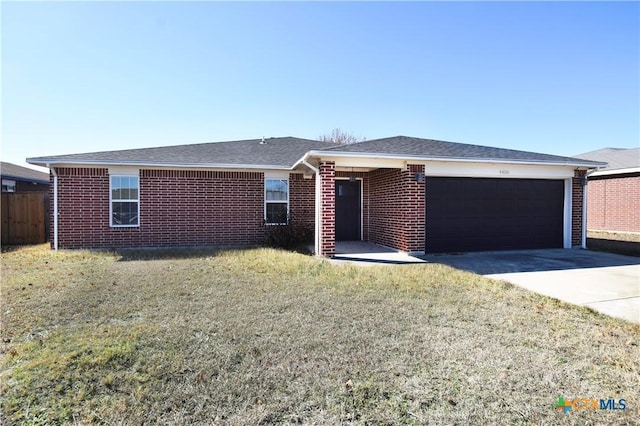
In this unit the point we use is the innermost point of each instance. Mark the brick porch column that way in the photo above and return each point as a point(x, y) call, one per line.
point(327, 208)
point(577, 199)
point(414, 209)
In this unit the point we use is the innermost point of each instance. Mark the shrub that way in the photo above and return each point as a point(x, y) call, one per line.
point(292, 235)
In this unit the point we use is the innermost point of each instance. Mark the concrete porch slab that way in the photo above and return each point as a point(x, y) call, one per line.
point(367, 253)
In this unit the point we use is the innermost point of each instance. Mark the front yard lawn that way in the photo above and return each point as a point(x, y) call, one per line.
point(266, 336)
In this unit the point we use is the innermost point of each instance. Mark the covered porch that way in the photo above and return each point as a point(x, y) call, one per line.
point(380, 201)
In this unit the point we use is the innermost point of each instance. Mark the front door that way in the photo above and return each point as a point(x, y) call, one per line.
point(348, 210)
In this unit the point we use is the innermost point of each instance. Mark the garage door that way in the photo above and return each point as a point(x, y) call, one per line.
point(469, 214)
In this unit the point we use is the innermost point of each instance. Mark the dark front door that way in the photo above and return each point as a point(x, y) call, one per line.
point(466, 214)
point(348, 210)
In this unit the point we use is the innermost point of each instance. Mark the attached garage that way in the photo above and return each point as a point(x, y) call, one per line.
point(475, 214)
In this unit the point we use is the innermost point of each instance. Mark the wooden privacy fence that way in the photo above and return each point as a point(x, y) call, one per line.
point(24, 218)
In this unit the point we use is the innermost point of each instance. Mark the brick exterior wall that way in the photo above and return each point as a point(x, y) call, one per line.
point(177, 208)
point(613, 203)
point(223, 208)
point(397, 208)
point(577, 199)
point(302, 200)
point(328, 209)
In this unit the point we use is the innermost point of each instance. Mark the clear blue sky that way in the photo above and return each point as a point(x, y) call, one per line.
point(559, 78)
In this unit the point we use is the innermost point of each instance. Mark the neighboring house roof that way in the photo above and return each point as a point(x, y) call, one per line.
point(617, 158)
point(273, 153)
point(15, 172)
point(404, 146)
point(287, 152)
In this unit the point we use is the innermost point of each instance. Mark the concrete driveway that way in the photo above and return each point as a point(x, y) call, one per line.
point(606, 282)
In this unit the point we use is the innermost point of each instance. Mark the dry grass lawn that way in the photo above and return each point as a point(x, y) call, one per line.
point(264, 336)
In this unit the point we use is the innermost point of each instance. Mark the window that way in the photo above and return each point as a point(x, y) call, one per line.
point(8, 185)
point(125, 201)
point(276, 201)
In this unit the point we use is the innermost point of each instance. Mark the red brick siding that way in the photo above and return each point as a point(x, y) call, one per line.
point(397, 208)
point(613, 203)
point(414, 208)
point(577, 200)
point(302, 200)
point(177, 207)
point(22, 187)
point(328, 209)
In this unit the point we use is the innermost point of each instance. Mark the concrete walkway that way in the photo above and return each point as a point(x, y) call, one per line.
point(606, 282)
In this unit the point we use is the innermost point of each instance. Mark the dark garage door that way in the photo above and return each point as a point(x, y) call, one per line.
point(469, 214)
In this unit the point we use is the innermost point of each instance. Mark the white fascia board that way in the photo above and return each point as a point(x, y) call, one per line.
point(615, 172)
point(422, 159)
point(52, 162)
point(498, 170)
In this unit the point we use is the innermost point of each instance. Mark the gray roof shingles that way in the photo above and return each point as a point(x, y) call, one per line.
point(284, 152)
point(618, 158)
point(278, 152)
point(409, 146)
point(15, 172)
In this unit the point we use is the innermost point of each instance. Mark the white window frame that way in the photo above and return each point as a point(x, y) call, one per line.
point(281, 177)
point(8, 185)
point(111, 200)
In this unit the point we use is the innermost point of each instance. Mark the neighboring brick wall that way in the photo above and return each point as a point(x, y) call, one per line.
point(22, 187)
point(397, 208)
point(177, 208)
point(577, 200)
point(613, 203)
point(328, 209)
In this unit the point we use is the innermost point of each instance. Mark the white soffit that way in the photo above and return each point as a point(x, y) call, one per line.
point(370, 163)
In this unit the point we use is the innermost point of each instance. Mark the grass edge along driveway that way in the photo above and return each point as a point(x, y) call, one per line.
point(265, 336)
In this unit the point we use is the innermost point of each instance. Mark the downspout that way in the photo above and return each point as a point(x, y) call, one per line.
point(55, 206)
point(318, 214)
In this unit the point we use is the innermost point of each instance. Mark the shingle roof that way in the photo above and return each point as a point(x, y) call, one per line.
point(275, 152)
point(429, 148)
point(618, 158)
point(286, 151)
point(15, 172)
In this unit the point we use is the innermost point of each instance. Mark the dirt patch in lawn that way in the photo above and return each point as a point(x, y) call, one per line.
point(266, 336)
